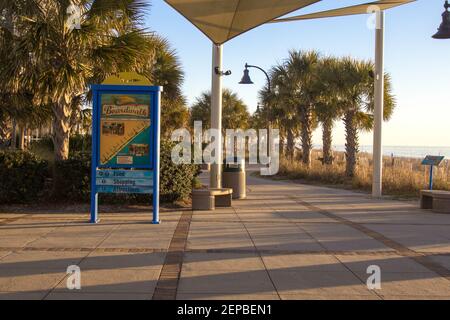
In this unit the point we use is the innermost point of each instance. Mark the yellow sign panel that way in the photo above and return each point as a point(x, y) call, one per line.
point(124, 129)
point(127, 78)
point(116, 134)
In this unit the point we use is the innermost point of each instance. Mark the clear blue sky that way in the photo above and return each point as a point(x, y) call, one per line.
point(419, 65)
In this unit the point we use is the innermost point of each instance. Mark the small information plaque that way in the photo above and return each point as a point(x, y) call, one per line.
point(432, 160)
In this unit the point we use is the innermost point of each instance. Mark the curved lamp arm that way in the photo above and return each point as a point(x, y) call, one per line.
point(256, 67)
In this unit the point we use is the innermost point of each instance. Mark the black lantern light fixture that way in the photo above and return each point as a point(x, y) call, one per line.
point(444, 28)
point(246, 77)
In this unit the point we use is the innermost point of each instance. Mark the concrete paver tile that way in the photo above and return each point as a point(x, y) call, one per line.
point(231, 282)
point(21, 281)
point(76, 295)
point(372, 296)
point(123, 261)
point(411, 284)
point(152, 242)
point(70, 241)
point(41, 260)
point(25, 295)
point(222, 262)
point(303, 262)
point(221, 296)
point(387, 263)
point(318, 283)
point(115, 281)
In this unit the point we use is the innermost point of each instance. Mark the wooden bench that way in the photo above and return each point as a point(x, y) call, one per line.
point(436, 200)
point(209, 199)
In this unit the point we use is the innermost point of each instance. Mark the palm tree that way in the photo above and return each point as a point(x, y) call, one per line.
point(234, 113)
point(356, 89)
point(327, 115)
point(270, 115)
point(329, 106)
point(174, 115)
point(281, 107)
point(56, 63)
point(166, 70)
point(18, 113)
point(298, 82)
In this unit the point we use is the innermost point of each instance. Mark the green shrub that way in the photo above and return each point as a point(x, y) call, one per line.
point(175, 180)
point(71, 180)
point(80, 143)
point(22, 177)
point(43, 149)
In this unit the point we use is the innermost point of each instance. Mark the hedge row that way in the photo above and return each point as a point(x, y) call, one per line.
point(24, 178)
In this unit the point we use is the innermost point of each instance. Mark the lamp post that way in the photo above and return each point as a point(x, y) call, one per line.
point(444, 28)
point(247, 80)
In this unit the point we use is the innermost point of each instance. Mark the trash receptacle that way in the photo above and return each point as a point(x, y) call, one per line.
point(233, 177)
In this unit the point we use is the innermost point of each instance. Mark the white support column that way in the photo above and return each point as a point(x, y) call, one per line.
point(216, 114)
point(379, 105)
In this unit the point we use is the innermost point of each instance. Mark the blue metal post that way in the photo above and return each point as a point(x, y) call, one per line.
point(156, 153)
point(431, 177)
point(94, 194)
point(94, 207)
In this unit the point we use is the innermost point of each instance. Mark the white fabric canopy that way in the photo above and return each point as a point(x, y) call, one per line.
point(347, 11)
point(222, 20)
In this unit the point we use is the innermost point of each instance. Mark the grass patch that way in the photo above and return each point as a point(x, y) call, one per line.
point(402, 177)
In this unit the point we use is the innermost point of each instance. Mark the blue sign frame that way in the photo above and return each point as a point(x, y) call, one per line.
point(130, 171)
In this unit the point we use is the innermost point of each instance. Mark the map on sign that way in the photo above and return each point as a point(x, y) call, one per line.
point(124, 129)
point(432, 160)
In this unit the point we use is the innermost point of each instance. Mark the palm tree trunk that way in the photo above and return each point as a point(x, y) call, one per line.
point(290, 144)
point(352, 144)
point(22, 137)
point(327, 140)
point(61, 131)
point(282, 144)
point(306, 133)
point(14, 135)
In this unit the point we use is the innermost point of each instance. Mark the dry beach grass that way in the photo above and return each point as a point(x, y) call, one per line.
point(403, 177)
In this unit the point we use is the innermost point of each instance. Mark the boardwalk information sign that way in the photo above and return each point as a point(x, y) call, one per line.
point(125, 139)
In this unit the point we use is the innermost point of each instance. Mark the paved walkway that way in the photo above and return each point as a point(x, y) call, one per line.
point(285, 241)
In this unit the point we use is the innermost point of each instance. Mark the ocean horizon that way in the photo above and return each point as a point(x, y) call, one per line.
point(401, 151)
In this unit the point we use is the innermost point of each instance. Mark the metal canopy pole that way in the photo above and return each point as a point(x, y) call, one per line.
point(379, 105)
point(216, 114)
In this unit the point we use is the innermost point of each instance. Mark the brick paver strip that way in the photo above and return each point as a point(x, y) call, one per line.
point(106, 250)
point(234, 251)
point(421, 259)
point(9, 220)
point(167, 285)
